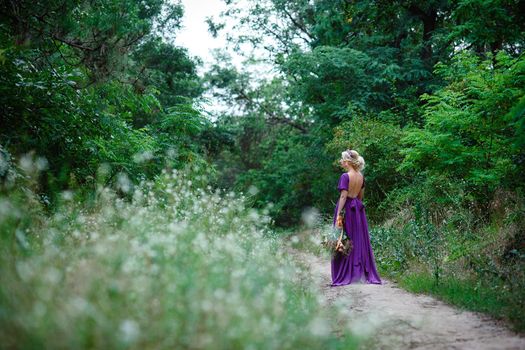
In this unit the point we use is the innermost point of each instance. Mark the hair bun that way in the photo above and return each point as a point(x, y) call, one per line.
point(354, 158)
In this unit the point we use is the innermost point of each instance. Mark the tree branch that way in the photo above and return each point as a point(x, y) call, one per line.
point(272, 116)
point(298, 25)
point(75, 45)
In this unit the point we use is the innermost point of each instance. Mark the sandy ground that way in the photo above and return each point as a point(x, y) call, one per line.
point(397, 319)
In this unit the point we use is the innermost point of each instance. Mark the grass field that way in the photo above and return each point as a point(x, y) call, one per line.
point(169, 265)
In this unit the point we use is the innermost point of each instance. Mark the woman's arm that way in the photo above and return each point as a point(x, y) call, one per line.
point(341, 205)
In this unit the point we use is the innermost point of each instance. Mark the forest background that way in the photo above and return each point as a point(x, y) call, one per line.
point(431, 93)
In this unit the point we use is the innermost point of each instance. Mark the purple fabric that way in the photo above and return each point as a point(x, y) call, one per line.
point(359, 265)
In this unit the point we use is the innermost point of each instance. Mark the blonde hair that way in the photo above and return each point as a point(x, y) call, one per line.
point(353, 157)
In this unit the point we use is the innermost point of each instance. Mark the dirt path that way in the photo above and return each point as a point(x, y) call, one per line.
point(397, 319)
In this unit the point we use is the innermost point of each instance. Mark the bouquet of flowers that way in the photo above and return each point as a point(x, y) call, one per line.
point(337, 244)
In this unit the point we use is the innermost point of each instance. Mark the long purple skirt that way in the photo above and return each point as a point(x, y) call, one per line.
point(359, 265)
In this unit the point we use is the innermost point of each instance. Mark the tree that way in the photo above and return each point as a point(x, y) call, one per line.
point(85, 84)
point(470, 129)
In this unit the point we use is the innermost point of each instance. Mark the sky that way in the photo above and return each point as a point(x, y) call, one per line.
point(194, 33)
point(195, 37)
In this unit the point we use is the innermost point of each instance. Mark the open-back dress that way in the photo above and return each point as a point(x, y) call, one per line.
point(359, 265)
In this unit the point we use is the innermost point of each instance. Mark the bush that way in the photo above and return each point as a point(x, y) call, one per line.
point(378, 142)
point(177, 265)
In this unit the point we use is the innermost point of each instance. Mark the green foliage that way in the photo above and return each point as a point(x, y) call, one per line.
point(77, 130)
point(94, 85)
point(168, 69)
point(281, 180)
point(389, 79)
point(378, 142)
point(339, 81)
point(98, 36)
point(452, 251)
point(467, 133)
point(180, 265)
point(489, 25)
point(492, 298)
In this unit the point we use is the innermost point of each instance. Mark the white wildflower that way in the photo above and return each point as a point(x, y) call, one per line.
point(129, 330)
point(319, 327)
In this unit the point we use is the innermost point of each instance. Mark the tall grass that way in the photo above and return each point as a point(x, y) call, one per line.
point(472, 260)
point(491, 297)
point(166, 264)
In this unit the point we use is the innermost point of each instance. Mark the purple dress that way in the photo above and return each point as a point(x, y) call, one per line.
point(359, 265)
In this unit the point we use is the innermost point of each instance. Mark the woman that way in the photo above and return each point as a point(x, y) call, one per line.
point(359, 265)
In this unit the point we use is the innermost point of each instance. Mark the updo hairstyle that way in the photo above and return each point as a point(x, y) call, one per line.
point(353, 157)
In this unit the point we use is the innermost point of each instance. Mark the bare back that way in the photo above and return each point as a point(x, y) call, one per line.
point(355, 184)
